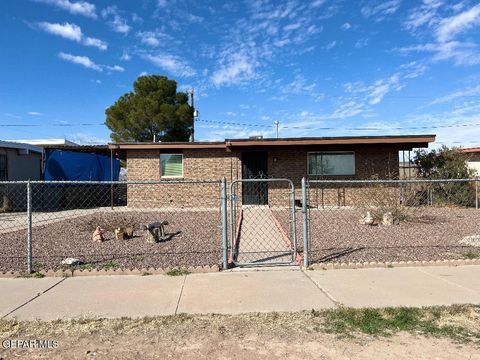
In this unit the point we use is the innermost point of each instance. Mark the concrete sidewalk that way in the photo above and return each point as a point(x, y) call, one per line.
point(237, 291)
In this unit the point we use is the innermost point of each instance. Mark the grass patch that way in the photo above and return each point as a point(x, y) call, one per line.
point(177, 272)
point(437, 321)
point(110, 265)
point(34, 275)
point(471, 255)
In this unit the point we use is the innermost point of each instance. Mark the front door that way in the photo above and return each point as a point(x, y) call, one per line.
point(254, 167)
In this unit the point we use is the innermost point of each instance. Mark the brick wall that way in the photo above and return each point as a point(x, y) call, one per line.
point(370, 162)
point(200, 164)
point(208, 164)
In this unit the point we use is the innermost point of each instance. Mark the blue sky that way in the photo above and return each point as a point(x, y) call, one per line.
point(320, 68)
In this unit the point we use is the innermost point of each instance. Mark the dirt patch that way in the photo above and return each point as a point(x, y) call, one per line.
point(194, 239)
point(428, 233)
point(232, 337)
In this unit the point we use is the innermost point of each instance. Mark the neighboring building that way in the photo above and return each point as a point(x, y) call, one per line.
point(20, 161)
point(47, 142)
point(346, 158)
point(473, 159)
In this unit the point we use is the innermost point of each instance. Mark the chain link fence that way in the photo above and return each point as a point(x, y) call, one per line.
point(380, 221)
point(262, 222)
point(110, 225)
point(184, 223)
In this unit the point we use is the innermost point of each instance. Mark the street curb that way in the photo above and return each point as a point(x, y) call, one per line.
point(393, 264)
point(99, 272)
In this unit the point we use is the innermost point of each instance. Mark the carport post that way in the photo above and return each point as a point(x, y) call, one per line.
point(223, 208)
point(305, 222)
point(29, 227)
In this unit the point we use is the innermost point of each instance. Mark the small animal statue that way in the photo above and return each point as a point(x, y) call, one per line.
point(7, 205)
point(98, 234)
point(156, 231)
point(367, 219)
point(129, 231)
point(120, 233)
point(388, 219)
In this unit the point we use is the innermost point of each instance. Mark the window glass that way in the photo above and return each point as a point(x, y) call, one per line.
point(171, 165)
point(331, 163)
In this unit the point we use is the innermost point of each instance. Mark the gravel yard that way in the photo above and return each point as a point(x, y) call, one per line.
point(195, 240)
point(427, 233)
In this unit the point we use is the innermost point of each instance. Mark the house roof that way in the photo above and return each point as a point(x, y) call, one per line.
point(20, 146)
point(471, 150)
point(47, 142)
point(404, 141)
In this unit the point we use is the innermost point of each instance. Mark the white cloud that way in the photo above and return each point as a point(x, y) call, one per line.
point(171, 63)
point(425, 14)
point(236, 69)
point(88, 63)
point(345, 26)
point(452, 26)
point(114, 68)
point(74, 7)
point(66, 30)
point(100, 44)
point(34, 113)
point(413, 69)
point(72, 32)
point(380, 10)
point(80, 60)
point(464, 93)
point(331, 45)
point(460, 53)
point(125, 56)
point(86, 139)
point(348, 109)
point(148, 38)
point(361, 43)
point(115, 20)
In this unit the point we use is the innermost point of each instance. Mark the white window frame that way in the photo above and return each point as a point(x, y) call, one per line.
point(170, 177)
point(331, 152)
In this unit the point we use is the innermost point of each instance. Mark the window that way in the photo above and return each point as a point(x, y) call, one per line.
point(171, 165)
point(331, 163)
point(3, 167)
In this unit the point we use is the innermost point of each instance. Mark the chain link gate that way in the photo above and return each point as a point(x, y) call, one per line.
point(262, 222)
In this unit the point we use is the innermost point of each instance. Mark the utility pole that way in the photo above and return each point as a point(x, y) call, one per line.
point(192, 94)
point(276, 122)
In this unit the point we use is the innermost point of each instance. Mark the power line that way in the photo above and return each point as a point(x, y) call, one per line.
point(347, 128)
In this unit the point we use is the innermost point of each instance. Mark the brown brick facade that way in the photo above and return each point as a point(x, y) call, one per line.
point(213, 164)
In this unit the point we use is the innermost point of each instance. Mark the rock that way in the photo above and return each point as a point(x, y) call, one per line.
point(367, 219)
point(388, 219)
point(71, 261)
point(472, 240)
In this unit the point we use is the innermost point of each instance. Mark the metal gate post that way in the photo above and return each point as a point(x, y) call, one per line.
point(305, 222)
point(223, 209)
point(29, 228)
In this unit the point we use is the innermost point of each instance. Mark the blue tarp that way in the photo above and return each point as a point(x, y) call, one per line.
point(78, 166)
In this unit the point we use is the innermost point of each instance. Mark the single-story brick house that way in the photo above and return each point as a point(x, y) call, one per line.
point(359, 157)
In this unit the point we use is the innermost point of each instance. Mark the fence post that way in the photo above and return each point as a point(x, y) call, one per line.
point(305, 222)
point(223, 207)
point(476, 193)
point(29, 228)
